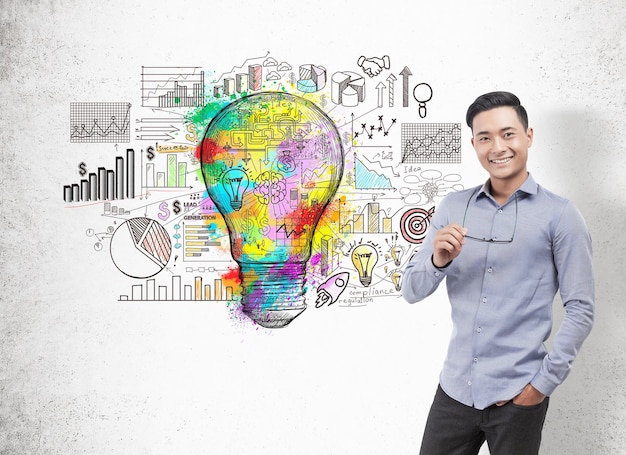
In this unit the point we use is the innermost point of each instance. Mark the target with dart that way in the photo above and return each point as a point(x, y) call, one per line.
point(414, 224)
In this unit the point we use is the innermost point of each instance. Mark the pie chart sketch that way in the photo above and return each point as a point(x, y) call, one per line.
point(347, 88)
point(140, 247)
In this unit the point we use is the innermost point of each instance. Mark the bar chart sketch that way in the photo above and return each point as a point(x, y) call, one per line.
point(241, 82)
point(173, 175)
point(370, 220)
point(106, 184)
point(200, 290)
point(199, 241)
point(172, 86)
point(100, 122)
point(431, 143)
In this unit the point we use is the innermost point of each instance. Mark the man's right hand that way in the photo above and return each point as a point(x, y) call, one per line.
point(448, 243)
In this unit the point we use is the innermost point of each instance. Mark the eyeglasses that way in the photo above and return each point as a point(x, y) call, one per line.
point(490, 240)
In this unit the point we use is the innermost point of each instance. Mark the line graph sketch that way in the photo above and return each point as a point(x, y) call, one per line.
point(100, 122)
point(371, 129)
point(368, 178)
point(172, 86)
point(432, 143)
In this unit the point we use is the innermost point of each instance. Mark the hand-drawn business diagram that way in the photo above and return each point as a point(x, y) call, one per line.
point(266, 186)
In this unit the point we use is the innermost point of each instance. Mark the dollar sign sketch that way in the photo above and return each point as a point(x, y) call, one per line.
point(150, 153)
point(323, 101)
point(166, 213)
point(248, 224)
point(264, 225)
point(176, 206)
point(82, 168)
point(193, 135)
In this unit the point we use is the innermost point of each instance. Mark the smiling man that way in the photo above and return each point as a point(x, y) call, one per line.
point(505, 248)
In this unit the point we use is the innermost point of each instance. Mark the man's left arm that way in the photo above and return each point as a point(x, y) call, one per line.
point(572, 252)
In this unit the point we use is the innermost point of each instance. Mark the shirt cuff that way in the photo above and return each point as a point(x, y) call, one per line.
point(543, 385)
point(432, 261)
point(433, 270)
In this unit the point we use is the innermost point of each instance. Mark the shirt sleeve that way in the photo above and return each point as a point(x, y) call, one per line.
point(421, 277)
point(572, 250)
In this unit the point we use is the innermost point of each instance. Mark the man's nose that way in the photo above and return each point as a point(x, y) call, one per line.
point(498, 144)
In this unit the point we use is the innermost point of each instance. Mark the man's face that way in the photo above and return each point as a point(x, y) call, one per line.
point(502, 144)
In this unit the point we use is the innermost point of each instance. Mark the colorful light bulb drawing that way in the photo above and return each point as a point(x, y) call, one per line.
point(271, 163)
point(364, 258)
point(235, 182)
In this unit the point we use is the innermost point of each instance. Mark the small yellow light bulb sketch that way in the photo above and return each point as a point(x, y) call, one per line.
point(396, 253)
point(364, 258)
point(396, 278)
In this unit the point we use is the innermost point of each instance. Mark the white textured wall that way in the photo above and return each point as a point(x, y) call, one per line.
point(80, 373)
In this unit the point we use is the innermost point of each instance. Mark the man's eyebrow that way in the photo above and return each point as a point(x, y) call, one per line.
point(502, 130)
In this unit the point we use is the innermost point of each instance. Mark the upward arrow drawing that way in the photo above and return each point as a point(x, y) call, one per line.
point(391, 80)
point(405, 73)
point(380, 87)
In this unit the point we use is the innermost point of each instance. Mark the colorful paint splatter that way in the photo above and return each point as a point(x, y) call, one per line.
point(272, 163)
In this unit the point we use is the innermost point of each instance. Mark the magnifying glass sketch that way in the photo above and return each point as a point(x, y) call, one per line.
point(422, 94)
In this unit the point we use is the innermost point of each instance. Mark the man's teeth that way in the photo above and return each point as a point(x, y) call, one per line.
point(502, 161)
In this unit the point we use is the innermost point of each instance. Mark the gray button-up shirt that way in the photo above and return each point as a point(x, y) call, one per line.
point(501, 294)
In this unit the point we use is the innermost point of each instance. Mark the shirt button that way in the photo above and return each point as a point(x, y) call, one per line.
point(475, 359)
point(469, 382)
point(500, 211)
point(489, 270)
point(484, 299)
point(437, 274)
point(479, 329)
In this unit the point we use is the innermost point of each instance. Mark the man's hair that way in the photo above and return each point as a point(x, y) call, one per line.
point(492, 100)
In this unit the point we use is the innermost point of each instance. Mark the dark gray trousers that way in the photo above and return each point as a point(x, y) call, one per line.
point(453, 428)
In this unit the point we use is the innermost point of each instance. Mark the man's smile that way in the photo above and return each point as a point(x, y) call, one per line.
point(501, 160)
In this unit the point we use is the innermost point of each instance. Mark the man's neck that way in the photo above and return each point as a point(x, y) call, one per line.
point(502, 189)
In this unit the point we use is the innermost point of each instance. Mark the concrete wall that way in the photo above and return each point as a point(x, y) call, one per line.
point(81, 372)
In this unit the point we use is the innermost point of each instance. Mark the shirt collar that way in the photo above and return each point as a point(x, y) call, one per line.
point(529, 187)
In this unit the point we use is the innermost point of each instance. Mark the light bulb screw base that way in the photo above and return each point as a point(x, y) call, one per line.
point(273, 294)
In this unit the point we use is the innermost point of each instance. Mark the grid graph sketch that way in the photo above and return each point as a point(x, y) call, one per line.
point(431, 143)
point(100, 122)
point(172, 86)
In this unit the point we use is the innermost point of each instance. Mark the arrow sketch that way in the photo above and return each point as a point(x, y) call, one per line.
point(391, 79)
point(381, 88)
point(405, 73)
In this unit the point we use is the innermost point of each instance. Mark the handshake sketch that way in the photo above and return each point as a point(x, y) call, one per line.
point(372, 66)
